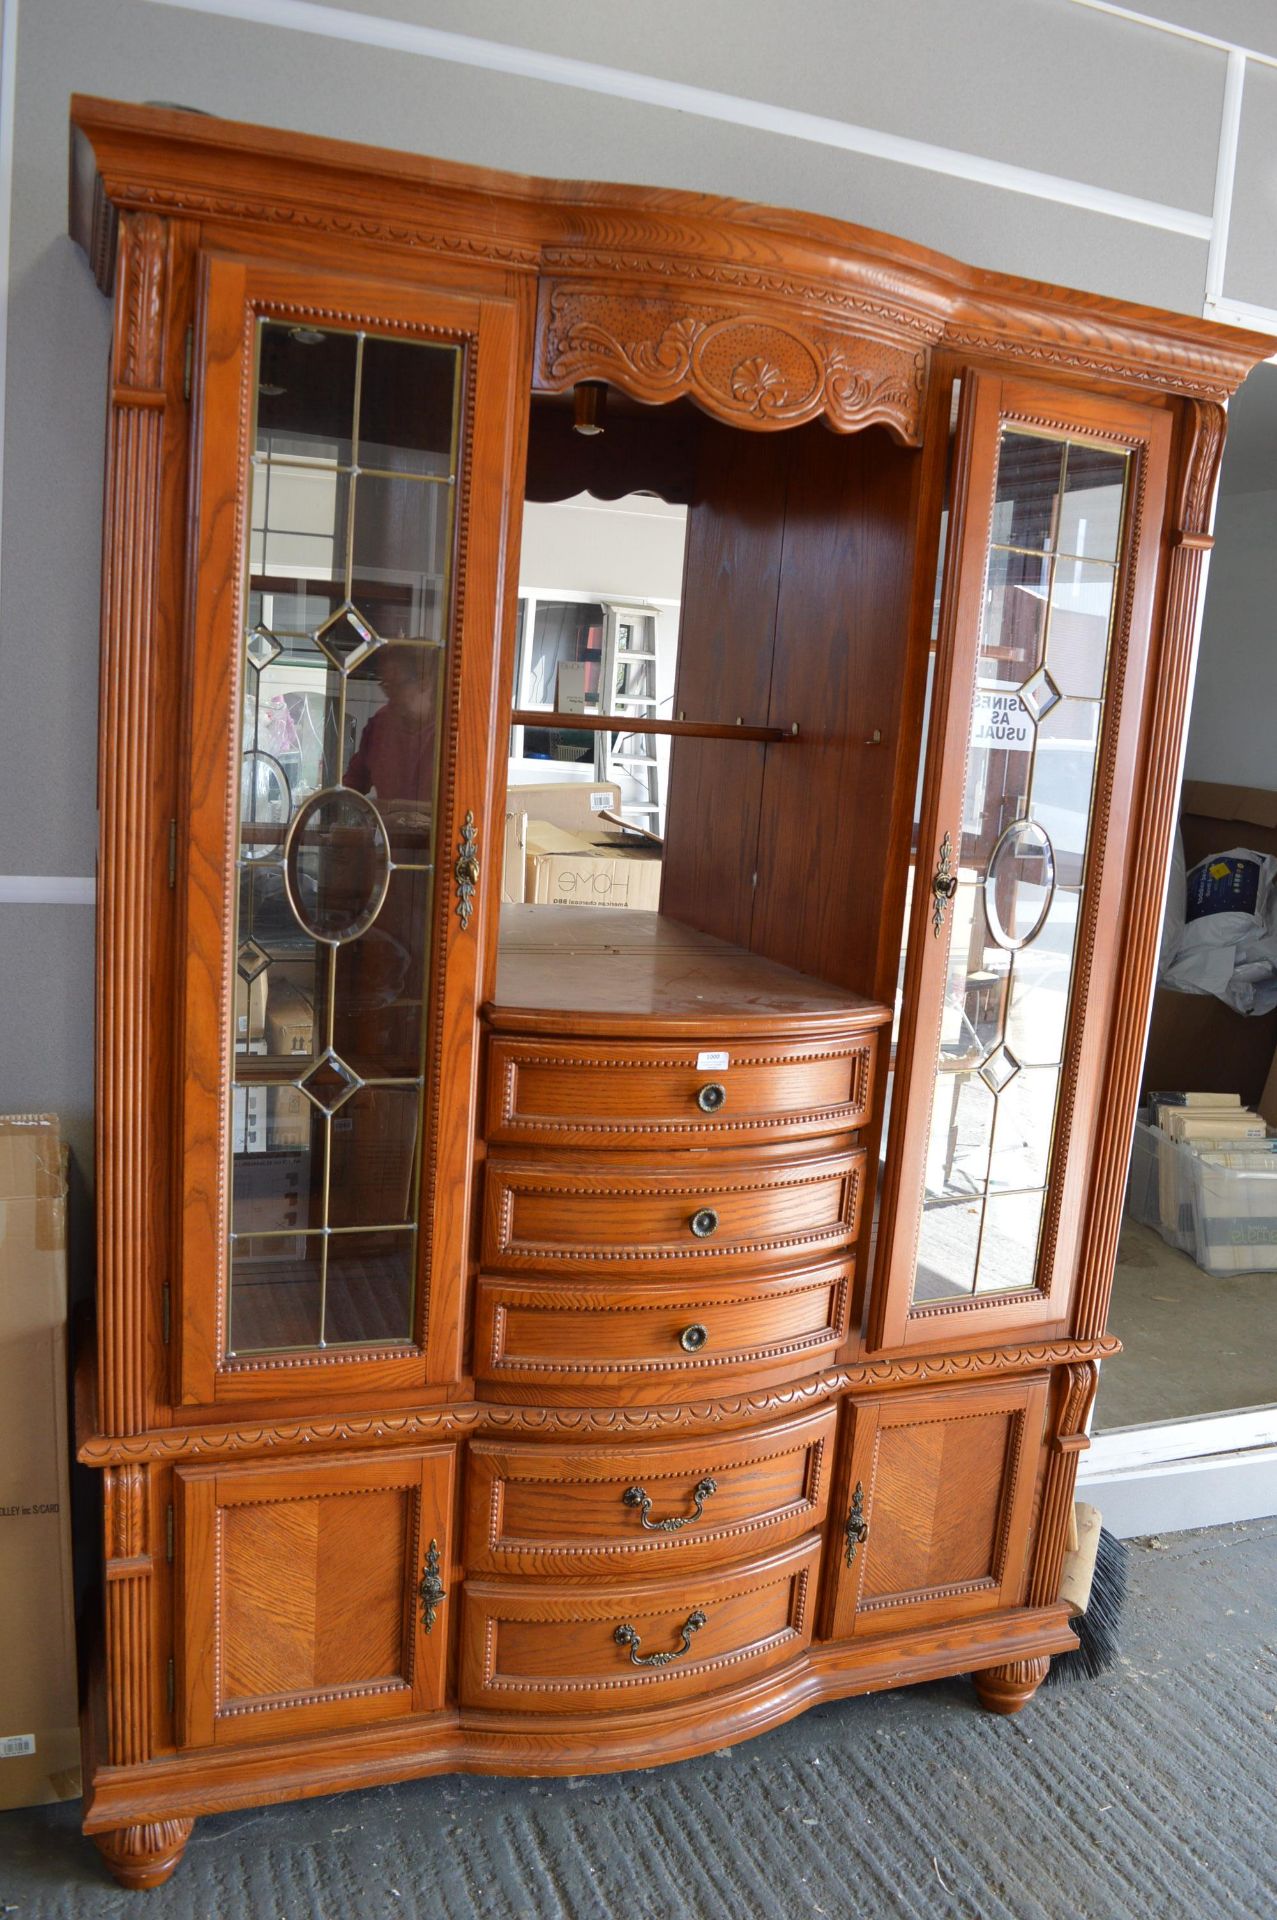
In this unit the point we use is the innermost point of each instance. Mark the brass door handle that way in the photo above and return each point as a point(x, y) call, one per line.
point(431, 1591)
point(627, 1636)
point(466, 871)
point(944, 884)
point(637, 1497)
point(704, 1222)
point(857, 1528)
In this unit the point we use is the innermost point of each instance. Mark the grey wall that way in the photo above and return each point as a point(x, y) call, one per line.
point(1040, 84)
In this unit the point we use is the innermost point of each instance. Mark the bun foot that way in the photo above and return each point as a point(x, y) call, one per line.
point(1007, 1689)
point(145, 1855)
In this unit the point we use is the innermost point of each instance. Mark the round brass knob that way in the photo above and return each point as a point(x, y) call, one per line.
point(712, 1097)
point(704, 1222)
point(693, 1338)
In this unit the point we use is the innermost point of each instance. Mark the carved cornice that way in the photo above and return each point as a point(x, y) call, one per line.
point(753, 366)
point(802, 272)
point(872, 314)
point(1095, 351)
point(424, 235)
point(464, 1417)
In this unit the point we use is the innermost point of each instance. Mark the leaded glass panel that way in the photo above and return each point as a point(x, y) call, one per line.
point(352, 489)
point(1036, 719)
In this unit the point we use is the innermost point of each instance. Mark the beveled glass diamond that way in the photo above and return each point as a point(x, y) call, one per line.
point(330, 1083)
point(251, 960)
point(1040, 693)
point(998, 1068)
point(348, 639)
point(262, 647)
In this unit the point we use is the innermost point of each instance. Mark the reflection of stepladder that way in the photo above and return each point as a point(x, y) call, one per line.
point(627, 685)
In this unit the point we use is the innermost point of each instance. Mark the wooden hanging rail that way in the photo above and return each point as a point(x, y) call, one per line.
point(628, 723)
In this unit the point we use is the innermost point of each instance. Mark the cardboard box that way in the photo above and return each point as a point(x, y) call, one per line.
point(39, 1721)
point(571, 804)
point(1195, 1040)
point(602, 870)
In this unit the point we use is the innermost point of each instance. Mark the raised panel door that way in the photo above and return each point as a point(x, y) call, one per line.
point(938, 1505)
point(313, 1595)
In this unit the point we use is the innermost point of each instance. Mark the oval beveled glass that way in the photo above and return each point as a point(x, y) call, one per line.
point(1020, 884)
point(264, 805)
point(337, 865)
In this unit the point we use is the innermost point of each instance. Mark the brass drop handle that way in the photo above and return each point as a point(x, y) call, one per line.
point(857, 1528)
point(711, 1097)
point(944, 884)
point(637, 1497)
point(466, 870)
point(627, 1636)
point(431, 1591)
point(693, 1338)
point(704, 1222)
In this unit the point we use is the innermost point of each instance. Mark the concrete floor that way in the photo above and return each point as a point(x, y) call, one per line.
point(1194, 1342)
point(1144, 1796)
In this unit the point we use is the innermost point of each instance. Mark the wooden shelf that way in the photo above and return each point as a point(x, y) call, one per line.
point(626, 723)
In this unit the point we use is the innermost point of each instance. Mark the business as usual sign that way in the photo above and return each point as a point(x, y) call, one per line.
point(1001, 720)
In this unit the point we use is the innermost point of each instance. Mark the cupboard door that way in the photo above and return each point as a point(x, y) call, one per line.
point(356, 444)
point(939, 1503)
point(1016, 925)
point(312, 1596)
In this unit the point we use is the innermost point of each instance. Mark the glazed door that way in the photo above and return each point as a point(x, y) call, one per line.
point(938, 1505)
point(1016, 922)
point(355, 450)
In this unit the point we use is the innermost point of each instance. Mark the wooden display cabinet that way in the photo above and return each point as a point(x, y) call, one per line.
point(530, 1340)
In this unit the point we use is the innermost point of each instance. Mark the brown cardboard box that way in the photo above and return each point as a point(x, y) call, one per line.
point(39, 1725)
point(1194, 1040)
point(599, 870)
point(571, 804)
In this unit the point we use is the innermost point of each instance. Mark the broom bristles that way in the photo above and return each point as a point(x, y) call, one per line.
point(1099, 1628)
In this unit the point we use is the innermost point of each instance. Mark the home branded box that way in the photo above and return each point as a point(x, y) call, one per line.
point(571, 804)
point(39, 1722)
point(596, 870)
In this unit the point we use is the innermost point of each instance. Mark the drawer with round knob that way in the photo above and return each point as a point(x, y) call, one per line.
point(659, 1341)
point(556, 1217)
point(557, 1093)
point(548, 1509)
point(538, 1647)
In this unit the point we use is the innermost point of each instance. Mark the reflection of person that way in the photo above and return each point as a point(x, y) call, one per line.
point(394, 760)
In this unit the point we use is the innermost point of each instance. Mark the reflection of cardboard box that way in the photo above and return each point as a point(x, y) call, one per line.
point(272, 1195)
point(39, 1730)
point(288, 1114)
point(248, 1107)
point(571, 804)
point(290, 1021)
point(599, 870)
